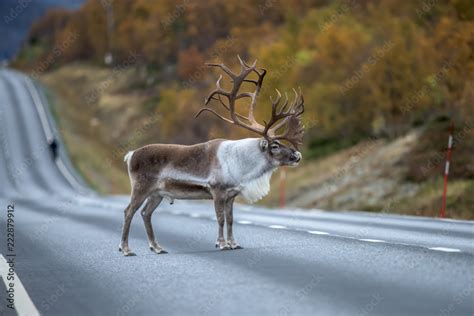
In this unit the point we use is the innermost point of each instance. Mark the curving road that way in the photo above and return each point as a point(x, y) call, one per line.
point(294, 262)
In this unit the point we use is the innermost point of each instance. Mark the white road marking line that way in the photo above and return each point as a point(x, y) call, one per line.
point(278, 226)
point(69, 177)
point(445, 249)
point(244, 222)
point(23, 303)
point(41, 112)
point(371, 240)
point(245, 208)
point(316, 232)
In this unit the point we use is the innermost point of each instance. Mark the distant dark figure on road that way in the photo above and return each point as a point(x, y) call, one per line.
point(53, 145)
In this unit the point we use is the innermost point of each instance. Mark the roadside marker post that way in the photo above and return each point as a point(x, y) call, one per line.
point(442, 211)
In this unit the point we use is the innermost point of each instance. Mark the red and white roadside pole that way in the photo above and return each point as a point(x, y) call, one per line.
point(442, 211)
point(282, 187)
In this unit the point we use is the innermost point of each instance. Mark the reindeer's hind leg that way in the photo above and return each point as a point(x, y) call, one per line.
point(148, 209)
point(137, 199)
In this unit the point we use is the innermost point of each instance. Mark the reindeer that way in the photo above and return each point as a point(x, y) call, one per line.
point(218, 169)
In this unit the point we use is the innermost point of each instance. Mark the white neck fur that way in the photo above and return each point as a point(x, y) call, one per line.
point(256, 189)
point(245, 165)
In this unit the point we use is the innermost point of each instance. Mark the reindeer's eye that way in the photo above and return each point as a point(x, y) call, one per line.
point(275, 146)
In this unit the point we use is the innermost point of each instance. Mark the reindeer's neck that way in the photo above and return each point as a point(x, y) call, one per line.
point(245, 165)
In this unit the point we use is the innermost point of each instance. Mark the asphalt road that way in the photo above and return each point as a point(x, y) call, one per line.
point(293, 262)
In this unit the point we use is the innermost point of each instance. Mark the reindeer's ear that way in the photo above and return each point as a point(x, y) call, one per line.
point(263, 144)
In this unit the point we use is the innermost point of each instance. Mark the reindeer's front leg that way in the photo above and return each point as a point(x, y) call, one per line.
point(229, 218)
point(219, 205)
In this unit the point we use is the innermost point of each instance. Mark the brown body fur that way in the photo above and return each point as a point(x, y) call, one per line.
point(145, 169)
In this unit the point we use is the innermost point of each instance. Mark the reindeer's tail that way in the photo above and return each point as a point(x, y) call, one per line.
point(128, 157)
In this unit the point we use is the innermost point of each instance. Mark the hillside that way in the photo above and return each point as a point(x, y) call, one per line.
point(403, 175)
point(381, 81)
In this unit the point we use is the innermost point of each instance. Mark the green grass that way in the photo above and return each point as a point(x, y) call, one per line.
point(322, 147)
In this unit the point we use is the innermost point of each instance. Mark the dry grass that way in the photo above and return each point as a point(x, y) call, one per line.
point(355, 178)
point(373, 176)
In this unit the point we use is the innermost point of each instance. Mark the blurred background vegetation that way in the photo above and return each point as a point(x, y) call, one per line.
point(382, 80)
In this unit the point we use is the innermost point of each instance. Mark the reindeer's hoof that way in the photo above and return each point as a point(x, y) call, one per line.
point(222, 244)
point(158, 250)
point(233, 245)
point(125, 251)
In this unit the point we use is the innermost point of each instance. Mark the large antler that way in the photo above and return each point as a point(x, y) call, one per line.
point(281, 115)
point(289, 116)
point(237, 80)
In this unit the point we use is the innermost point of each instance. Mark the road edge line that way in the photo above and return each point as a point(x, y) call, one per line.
point(23, 303)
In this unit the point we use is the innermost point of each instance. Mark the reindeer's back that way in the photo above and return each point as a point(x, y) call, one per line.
point(195, 159)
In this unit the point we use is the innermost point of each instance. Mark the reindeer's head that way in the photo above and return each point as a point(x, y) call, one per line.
point(287, 117)
point(278, 154)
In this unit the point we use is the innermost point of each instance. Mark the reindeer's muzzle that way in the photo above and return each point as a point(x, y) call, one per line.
point(295, 157)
